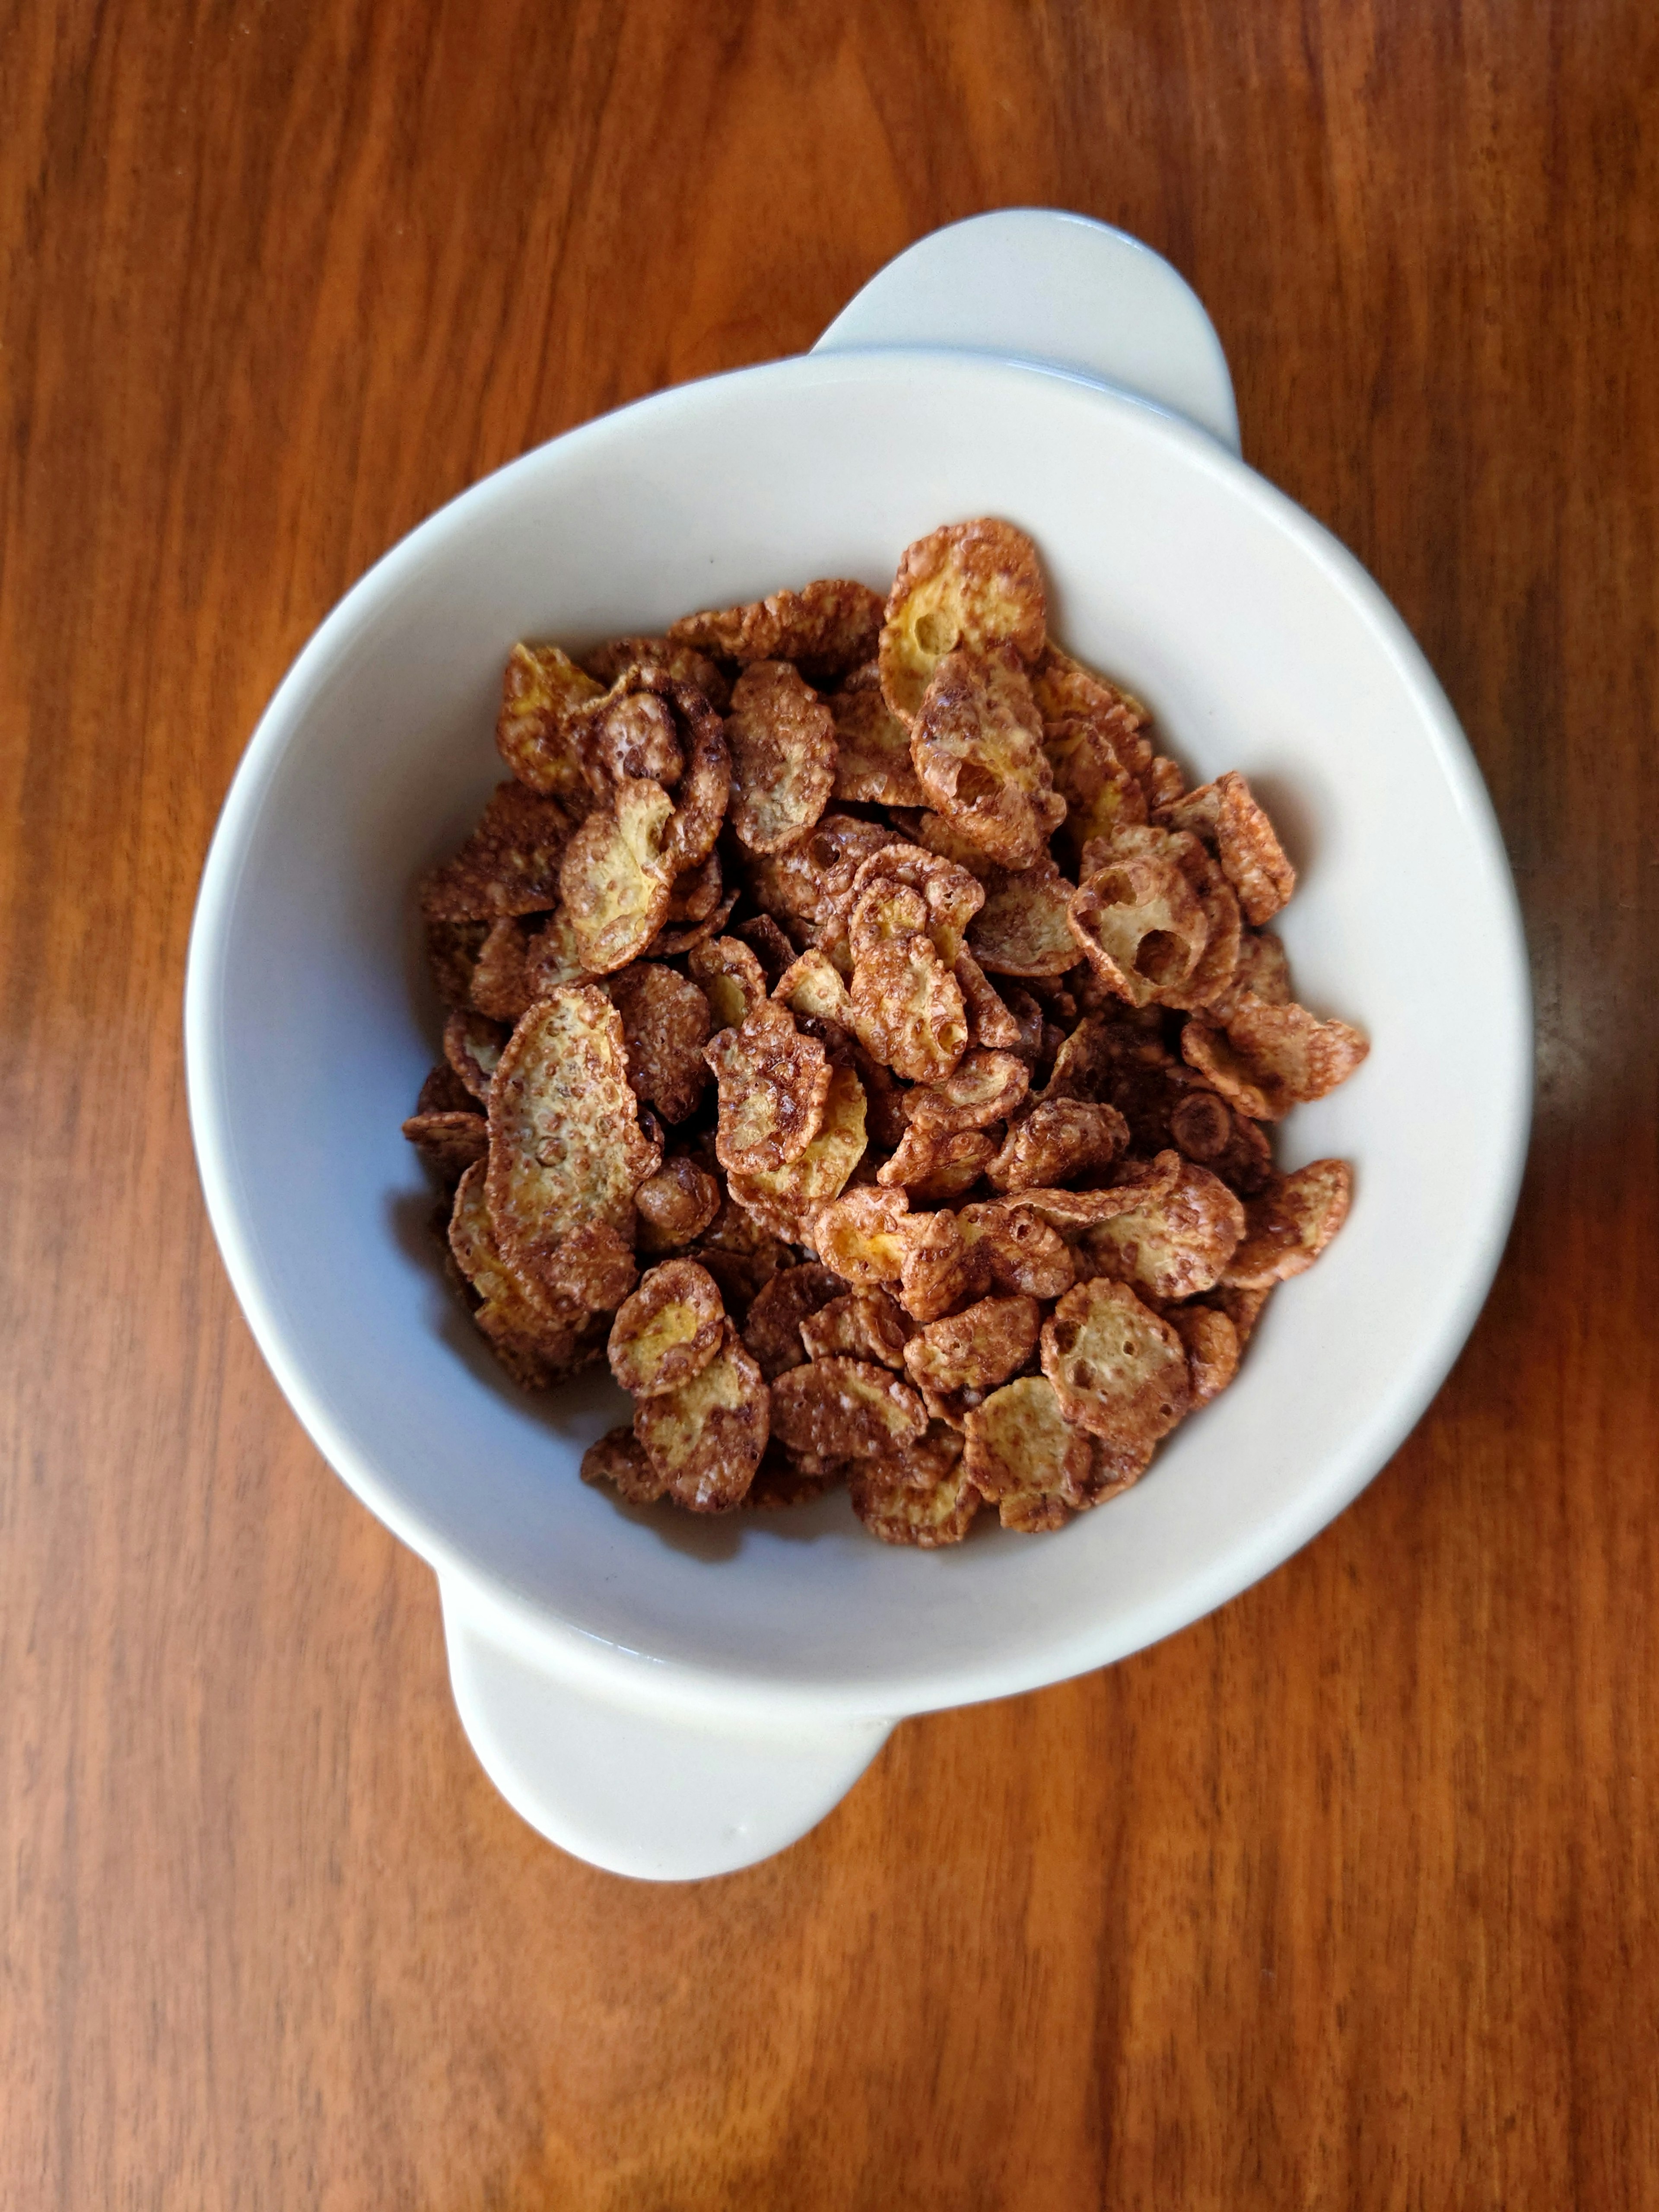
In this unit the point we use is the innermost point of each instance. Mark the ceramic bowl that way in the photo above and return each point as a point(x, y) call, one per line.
point(670, 1696)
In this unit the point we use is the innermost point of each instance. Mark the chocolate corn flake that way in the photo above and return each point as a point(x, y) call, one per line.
point(785, 1200)
point(922, 1497)
point(665, 1025)
point(684, 663)
point(1269, 1058)
point(1288, 1224)
point(509, 865)
point(473, 1046)
point(872, 746)
point(772, 1329)
point(829, 627)
point(969, 930)
point(906, 1005)
point(730, 979)
point(619, 1459)
point(858, 1325)
point(668, 1330)
point(1024, 928)
point(782, 742)
point(705, 1438)
point(845, 1409)
point(615, 877)
point(675, 1204)
point(1117, 1369)
point(977, 585)
point(774, 1086)
point(976, 747)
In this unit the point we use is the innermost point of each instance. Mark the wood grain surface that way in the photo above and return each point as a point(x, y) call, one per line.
point(1348, 1896)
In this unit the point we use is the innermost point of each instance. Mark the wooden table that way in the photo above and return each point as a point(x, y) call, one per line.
point(1348, 1896)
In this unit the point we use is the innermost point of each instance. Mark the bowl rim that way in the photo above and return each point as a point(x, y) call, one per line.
point(711, 1688)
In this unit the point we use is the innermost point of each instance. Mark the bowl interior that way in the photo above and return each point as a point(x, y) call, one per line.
point(1258, 643)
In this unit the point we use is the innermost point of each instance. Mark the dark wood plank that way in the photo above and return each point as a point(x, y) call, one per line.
point(1347, 1896)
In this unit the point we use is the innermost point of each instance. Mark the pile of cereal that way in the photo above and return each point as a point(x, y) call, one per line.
point(979, 1202)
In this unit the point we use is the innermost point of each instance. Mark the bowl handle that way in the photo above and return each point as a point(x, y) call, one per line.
point(663, 1795)
point(1039, 285)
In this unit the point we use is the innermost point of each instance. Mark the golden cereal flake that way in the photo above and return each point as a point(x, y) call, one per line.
point(668, 1330)
point(782, 742)
point(975, 746)
point(566, 1150)
point(1116, 1369)
point(1269, 1058)
point(845, 1409)
point(616, 877)
point(509, 865)
point(830, 625)
point(774, 1088)
point(1290, 1224)
point(665, 1027)
point(977, 585)
point(705, 1439)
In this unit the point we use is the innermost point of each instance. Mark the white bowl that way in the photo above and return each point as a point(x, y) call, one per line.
point(673, 1697)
